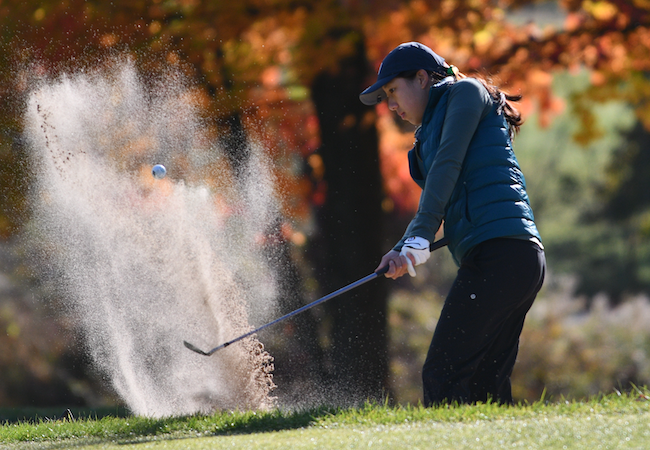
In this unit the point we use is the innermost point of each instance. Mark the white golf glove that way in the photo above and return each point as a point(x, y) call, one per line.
point(418, 248)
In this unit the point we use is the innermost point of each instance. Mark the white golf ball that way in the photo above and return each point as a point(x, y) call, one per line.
point(159, 171)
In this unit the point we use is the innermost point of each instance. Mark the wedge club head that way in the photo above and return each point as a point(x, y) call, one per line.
point(195, 349)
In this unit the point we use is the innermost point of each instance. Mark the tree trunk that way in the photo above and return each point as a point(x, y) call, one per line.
point(348, 245)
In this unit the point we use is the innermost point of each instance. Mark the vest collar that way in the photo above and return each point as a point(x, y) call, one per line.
point(435, 94)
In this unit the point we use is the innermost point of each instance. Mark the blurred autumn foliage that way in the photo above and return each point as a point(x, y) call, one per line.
point(286, 73)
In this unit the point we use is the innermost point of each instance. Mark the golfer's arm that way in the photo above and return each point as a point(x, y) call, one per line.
point(466, 105)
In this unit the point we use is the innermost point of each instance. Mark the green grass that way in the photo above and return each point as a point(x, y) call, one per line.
point(607, 422)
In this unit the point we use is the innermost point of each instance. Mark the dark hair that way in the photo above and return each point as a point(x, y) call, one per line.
point(505, 106)
point(503, 100)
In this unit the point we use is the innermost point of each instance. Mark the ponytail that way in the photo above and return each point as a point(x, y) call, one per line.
point(503, 101)
point(505, 107)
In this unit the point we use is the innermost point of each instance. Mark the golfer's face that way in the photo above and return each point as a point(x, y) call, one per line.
point(408, 98)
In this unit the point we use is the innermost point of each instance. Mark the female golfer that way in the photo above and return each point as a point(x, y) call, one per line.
point(464, 163)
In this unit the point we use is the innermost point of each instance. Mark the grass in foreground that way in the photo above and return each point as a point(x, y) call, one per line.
point(612, 421)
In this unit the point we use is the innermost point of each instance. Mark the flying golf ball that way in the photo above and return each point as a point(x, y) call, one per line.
point(159, 171)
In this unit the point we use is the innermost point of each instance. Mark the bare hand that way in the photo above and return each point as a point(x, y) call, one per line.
point(397, 264)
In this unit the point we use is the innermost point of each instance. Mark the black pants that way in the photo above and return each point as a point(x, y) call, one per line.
point(475, 343)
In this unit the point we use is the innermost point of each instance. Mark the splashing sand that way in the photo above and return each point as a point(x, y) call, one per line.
point(144, 264)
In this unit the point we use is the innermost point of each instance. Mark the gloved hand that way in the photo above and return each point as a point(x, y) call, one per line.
point(418, 249)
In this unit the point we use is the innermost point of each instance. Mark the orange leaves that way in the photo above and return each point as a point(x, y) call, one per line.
point(393, 148)
point(539, 82)
point(260, 56)
point(109, 40)
point(574, 20)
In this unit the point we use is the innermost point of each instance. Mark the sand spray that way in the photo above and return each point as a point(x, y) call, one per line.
point(140, 263)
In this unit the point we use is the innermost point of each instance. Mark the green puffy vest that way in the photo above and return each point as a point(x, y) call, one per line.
point(489, 199)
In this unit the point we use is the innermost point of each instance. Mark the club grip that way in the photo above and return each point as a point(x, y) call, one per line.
point(439, 244)
point(383, 270)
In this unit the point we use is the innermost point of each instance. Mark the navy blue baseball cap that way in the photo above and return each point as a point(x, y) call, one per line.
point(403, 58)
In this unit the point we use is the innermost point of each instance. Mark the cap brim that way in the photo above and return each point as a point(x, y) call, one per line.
point(375, 94)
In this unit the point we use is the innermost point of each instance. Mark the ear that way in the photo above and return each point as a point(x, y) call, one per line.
point(423, 78)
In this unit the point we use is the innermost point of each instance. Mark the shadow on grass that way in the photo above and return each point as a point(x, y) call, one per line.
point(25, 414)
point(51, 425)
point(275, 420)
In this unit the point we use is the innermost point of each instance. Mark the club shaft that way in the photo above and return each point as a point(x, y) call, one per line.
point(436, 245)
point(300, 310)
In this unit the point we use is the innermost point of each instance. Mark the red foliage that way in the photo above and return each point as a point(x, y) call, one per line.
point(258, 56)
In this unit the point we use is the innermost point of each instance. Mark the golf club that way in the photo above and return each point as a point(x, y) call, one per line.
point(436, 245)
